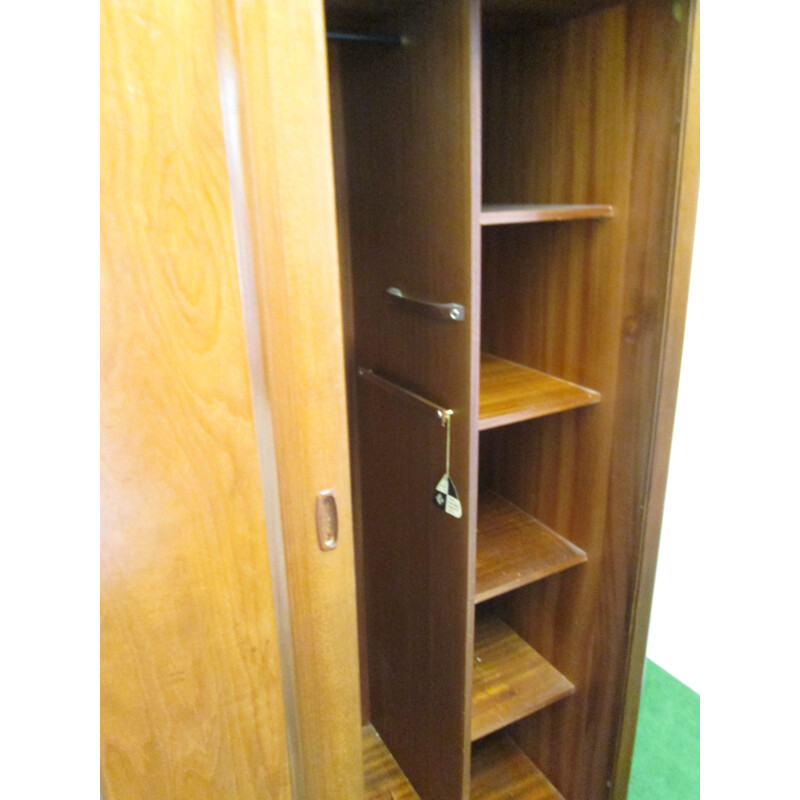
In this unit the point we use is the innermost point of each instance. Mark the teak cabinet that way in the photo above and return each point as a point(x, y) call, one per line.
point(522, 160)
point(515, 184)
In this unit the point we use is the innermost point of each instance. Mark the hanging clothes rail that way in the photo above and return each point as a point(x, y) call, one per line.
point(392, 40)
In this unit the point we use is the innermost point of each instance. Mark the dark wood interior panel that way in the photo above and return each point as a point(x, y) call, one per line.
point(406, 151)
point(415, 619)
point(408, 172)
point(501, 771)
point(525, 14)
point(583, 111)
point(346, 278)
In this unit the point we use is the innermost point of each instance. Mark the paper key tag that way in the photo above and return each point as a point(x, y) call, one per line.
point(446, 497)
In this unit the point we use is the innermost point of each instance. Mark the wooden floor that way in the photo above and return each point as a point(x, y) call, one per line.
point(383, 778)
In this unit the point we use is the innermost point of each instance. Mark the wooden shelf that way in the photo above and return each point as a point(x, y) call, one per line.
point(510, 679)
point(382, 775)
point(501, 771)
point(515, 549)
point(512, 393)
point(518, 214)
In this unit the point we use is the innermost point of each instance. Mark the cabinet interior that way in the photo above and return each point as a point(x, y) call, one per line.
point(520, 159)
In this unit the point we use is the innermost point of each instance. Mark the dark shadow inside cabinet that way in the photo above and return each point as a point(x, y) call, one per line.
point(519, 160)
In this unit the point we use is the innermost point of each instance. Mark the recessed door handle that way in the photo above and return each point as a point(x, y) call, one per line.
point(327, 520)
point(453, 312)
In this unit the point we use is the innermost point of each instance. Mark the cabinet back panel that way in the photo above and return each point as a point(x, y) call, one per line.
point(587, 110)
point(406, 151)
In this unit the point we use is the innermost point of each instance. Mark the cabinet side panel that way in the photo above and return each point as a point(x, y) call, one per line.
point(591, 113)
point(671, 361)
point(406, 124)
point(277, 52)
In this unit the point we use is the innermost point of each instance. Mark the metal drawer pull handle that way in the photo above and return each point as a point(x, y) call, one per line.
point(327, 520)
point(454, 312)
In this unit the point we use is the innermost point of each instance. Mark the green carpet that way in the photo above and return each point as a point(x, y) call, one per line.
point(666, 752)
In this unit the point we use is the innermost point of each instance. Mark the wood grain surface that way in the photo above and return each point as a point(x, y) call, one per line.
point(383, 778)
point(587, 110)
point(514, 549)
point(351, 367)
point(671, 361)
point(525, 14)
point(511, 392)
point(510, 679)
point(190, 696)
point(501, 771)
point(277, 55)
point(406, 152)
point(191, 686)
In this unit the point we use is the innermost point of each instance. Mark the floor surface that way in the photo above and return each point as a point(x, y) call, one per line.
point(666, 753)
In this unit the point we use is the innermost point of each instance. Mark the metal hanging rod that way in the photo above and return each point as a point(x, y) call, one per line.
point(443, 413)
point(368, 38)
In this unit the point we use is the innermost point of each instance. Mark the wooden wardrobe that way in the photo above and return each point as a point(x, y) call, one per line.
point(420, 368)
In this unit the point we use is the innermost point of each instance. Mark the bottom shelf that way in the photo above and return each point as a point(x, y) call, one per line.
point(382, 776)
point(501, 770)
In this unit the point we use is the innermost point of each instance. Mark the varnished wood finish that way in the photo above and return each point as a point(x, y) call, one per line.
point(522, 14)
point(671, 361)
point(346, 276)
point(511, 392)
point(583, 111)
point(515, 549)
point(190, 686)
point(406, 152)
point(521, 213)
point(501, 771)
point(277, 54)
point(509, 679)
point(383, 778)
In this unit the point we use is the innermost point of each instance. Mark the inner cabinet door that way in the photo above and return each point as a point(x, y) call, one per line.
point(401, 132)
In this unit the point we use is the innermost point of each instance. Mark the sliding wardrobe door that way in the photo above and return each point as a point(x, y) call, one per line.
point(229, 663)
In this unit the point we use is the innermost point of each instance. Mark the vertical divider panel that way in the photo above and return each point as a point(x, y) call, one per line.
point(476, 199)
point(406, 115)
point(346, 280)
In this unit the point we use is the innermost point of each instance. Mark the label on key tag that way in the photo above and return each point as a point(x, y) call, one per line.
point(446, 497)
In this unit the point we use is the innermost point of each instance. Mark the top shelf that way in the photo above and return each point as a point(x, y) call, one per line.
point(520, 214)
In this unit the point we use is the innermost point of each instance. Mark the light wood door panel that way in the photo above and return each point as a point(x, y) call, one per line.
point(275, 52)
point(191, 704)
point(191, 699)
